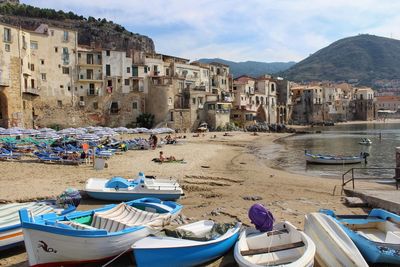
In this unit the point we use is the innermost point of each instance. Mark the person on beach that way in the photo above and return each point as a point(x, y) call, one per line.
point(163, 158)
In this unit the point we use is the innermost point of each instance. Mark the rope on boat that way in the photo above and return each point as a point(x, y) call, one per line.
point(116, 257)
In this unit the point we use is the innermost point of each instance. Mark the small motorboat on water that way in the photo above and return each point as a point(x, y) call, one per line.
point(285, 245)
point(335, 159)
point(376, 235)
point(334, 246)
point(119, 188)
point(188, 245)
point(93, 235)
point(365, 141)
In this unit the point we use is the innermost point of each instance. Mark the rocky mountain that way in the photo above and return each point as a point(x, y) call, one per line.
point(251, 68)
point(365, 58)
point(99, 32)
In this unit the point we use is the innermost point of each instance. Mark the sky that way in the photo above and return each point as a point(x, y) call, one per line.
point(242, 30)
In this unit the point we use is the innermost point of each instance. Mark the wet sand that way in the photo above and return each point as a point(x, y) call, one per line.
point(218, 178)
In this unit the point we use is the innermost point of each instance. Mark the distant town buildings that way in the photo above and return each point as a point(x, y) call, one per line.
point(47, 79)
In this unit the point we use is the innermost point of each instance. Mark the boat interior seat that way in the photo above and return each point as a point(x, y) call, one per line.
point(124, 216)
point(392, 237)
point(374, 235)
point(76, 225)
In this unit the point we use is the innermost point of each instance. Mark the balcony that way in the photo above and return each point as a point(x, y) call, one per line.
point(31, 91)
point(91, 78)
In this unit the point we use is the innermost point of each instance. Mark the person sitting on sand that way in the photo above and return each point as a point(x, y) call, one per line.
point(164, 159)
point(73, 156)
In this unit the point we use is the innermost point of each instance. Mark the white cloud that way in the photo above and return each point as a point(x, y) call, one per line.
point(262, 30)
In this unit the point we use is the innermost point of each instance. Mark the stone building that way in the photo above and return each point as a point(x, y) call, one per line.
point(364, 104)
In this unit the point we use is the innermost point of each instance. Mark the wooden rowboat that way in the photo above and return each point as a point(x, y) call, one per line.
point(284, 246)
point(333, 159)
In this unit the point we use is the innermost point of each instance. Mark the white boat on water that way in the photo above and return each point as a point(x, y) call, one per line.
point(334, 246)
point(365, 141)
point(285, 245)
point(335, 159)
point(121, 189)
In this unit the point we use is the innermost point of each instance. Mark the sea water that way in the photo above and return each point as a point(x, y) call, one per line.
point(288, 153)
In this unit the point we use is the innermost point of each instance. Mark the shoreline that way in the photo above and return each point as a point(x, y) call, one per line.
point(221, 178)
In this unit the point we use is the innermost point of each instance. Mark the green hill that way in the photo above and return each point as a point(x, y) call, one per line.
point(363, 57)
point(251, 68)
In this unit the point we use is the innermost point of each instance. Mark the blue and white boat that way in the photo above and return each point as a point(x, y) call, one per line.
point(10, 226)
point(377, 235)
point(93, 235)
point(158, 251)
point(121, 189)
point(335, 159)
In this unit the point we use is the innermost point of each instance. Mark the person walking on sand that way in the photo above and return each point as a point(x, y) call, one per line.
point(155, 140)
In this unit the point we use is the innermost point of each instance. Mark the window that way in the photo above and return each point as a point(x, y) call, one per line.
point(169, 101)
point(65, 55)
point(167, 71)
point(109, 82)
point(61, 86)
point(34, 45)
point(42, 61)
point(32, 67)
point(59, 103)
point(43, 76)
point(171, 116)
point(135, 71)
point(32, 83)
point(89, 74)
point(108, 70)
point(65, 70)
point(65, 36)
point(69, 88)
point(81, 98)
point(56, 49)
point(7, 35)
point(134, 105)
point(23, 42)
point(128, 70)
point(193, 101)
point(95, 105)
point(99, 57)
point(145, 69)
point(7, 47)
point(24, 104)
point(79, 55)
point(108, 53)
point(91, 89)
point(89, 59)
point(114, 108)
point(127, 82)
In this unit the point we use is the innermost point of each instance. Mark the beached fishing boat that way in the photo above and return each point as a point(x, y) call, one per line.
point(334, 246)
point(284, 246)
point(377, 235)
point(365, 141)
point(118, 188)
point(93, 235)
point(10, 226)
point(334, 159)
point(189, 245)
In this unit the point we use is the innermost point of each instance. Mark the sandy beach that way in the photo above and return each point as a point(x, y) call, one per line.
point(220, 178)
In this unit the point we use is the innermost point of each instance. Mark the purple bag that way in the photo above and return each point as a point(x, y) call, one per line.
point(261, 217)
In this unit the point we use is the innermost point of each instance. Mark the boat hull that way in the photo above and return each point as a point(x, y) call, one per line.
point(126, 196)
point(183, 252)
point(50, 249)
point(334, 247)
point(11, 238)
point(332, 160)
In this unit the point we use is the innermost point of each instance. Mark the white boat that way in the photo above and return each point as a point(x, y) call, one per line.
point(93, 235)
point(365, 141)
point(10, 226)
point(285, 245)
point(335, 159)
point(334, 246)
point(189, 245)
point(121, 189)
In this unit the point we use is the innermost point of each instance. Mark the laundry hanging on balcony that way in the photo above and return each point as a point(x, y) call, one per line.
point(109, 89)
